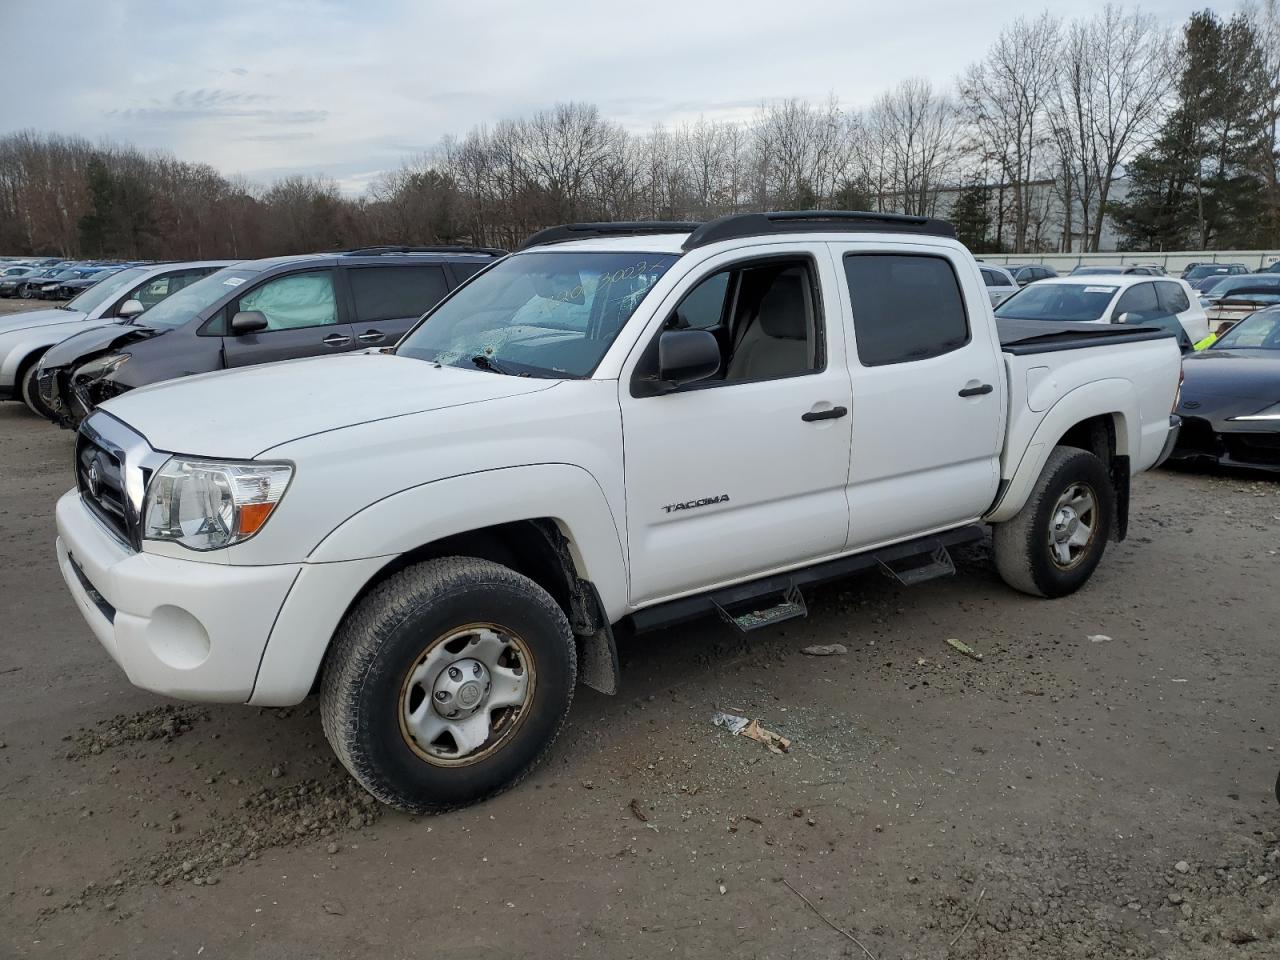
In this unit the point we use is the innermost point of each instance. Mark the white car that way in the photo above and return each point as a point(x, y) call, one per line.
point(621, 422)
point(24, 337)
point(1111, 298)
point(999, 282)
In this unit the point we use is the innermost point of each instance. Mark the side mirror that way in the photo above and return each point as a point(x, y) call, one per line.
point(1124, 318)
point(130, 309)
point(248, 321)
point(686, 356)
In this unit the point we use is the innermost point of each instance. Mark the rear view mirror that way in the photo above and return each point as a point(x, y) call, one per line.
point(130, 309)
point(686, 356)
point(248, 321)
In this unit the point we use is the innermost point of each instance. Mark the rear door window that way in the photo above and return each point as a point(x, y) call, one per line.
point(395, 293)
point(905, 307)
point(1173, 299)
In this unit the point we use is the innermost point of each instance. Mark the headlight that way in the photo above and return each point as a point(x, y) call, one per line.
point(1271, 413)
point(102, 366)
point(208, 504)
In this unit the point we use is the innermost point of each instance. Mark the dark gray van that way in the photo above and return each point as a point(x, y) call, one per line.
point(257, 311)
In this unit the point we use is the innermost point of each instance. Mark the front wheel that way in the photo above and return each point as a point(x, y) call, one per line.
point(448, 683)
point(30, 392)
point(1051, 547)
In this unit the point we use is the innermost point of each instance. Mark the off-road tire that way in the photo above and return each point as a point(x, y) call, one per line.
point(1021, 544)
point(379, 642)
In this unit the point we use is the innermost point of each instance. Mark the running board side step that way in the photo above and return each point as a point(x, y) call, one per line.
point(790, 607)
point(747, 605)
point(919, 567)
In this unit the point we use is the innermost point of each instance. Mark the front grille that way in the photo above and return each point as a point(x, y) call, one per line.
point(100, 478)
point(1261, 448)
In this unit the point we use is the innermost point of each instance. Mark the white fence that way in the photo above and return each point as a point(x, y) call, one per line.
point(1172, 262)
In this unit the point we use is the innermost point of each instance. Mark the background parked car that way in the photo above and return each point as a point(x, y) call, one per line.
point(1137, 300)
point(24, 337)
point(48, 289)
point(1000, 283)
point(1203, 274)
point(71, 288)
point(1237, 297)
point(1230, 404)
point(257, 312)
point(11, 277)
point(1117, 270)
point(1024, 273)
point(28, 286)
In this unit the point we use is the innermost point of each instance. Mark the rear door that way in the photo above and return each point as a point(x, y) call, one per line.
point(928, 390)
point(304, 319)
point(387, 300)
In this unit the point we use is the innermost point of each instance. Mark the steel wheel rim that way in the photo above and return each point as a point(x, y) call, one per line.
point(466, 694)
point(1073, 525)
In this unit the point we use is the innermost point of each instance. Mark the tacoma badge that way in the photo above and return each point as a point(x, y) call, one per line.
point(690, 504)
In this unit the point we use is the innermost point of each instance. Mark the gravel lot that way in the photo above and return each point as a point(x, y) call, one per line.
point(1099, 785)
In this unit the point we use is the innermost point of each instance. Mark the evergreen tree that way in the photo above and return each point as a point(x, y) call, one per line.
point(971, 216)
point(1195, 187)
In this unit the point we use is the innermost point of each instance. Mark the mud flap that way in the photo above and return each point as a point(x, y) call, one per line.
point(1120, 488)
point(598, 661)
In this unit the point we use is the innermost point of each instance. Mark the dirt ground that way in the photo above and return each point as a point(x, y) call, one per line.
point(1098, 785)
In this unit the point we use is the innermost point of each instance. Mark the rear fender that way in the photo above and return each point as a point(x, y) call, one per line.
point(1113, 397)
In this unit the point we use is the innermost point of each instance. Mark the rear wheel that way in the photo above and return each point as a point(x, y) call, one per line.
point(448, 683)
point(1054, 543)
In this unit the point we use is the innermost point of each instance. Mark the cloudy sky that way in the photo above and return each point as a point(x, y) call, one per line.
point(274, 87)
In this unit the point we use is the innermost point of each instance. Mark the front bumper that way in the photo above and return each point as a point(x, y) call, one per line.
point(183, 628)
point(1228, 443)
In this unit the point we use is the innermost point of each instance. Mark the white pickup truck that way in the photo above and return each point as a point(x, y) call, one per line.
point(620, 424)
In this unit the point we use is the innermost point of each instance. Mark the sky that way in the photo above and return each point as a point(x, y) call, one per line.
point(349, 89)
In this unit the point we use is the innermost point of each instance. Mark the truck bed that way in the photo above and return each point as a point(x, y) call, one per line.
point(1021, 337)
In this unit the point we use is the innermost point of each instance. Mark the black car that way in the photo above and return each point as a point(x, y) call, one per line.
point(12, 277)
point(71, 288)
point(257, 312)
point(1230, 404)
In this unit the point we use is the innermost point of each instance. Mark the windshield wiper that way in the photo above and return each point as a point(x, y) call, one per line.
point(485, 362)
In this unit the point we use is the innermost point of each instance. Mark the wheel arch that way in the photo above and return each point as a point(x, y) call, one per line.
point(1100, 417)
point(549, 522)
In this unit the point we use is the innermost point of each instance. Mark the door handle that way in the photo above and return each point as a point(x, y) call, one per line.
point(371, 336)
point(835, 413)
point(335, 340)
point(977, 391)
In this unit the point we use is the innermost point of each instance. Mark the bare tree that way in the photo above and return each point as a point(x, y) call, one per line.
point(1006, 97)
point(913, 136)
point(1116, 70)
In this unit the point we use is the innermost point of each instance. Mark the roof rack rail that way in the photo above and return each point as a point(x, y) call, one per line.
point(812, 221)
point(621, 228)
point(439, 248)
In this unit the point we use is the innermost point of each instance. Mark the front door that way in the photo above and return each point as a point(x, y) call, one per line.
point(302, 320)
point(928, 391)
point(742, 473)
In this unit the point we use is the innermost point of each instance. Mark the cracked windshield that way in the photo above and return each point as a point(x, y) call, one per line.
point(539, 314)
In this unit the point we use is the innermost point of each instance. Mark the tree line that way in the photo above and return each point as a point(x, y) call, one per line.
point(1024, 153)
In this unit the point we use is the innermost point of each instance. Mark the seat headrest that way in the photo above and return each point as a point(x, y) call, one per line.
point(782, 310)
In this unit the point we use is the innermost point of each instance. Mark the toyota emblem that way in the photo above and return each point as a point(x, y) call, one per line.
point(92, 477)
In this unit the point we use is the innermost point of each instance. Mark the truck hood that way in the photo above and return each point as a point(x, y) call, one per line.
point(242, 413)
point(38, 318)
